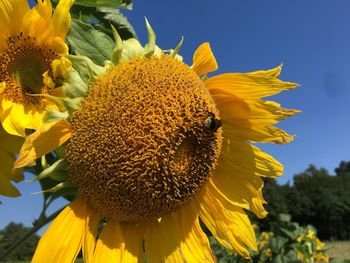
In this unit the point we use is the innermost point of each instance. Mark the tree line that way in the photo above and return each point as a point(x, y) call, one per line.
point(315, 197)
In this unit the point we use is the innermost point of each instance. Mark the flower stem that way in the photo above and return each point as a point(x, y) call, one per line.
point(35, 228)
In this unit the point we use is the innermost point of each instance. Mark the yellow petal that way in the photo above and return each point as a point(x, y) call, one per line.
point(5, 104)
point(133, 238)
point(110, 244)
point(35, 118)
point(257, 205)
point(63, 239)
point(61, 18)
point(257, 112)
point(8, 125)
point(6, 162)
point(6, 188)
point(19, 119)
point(253, 85)
point(178, 238)
point(249, 160)
point(119, 243)
point(60, 67)
point(10, 143)
point(228, 223)
point(17, 175)
point(58, 44)
point(37, 21)
point(43, 141)
point(204, 60)
point(160, 243)
point(252, 120)
point(11, 16)
point(237, 176)
point(91, 228)
point(243, 131)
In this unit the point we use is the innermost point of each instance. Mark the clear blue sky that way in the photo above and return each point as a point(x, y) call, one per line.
point(312, 40)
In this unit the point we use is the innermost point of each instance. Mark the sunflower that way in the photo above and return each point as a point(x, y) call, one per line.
point(156, 148)
point(9, 145)
point(31, 42)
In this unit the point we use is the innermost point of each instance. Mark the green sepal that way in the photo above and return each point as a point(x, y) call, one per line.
point(118, 49)
point(57, 171)
point(54, 115)
point(74, 86)
point(44, 163)
point(69, 193)
point(131, 48)
point(87, 69)
point(60, 151)
point(151, 45)
point(71, 105)
point(57, 187)
point(175, 52)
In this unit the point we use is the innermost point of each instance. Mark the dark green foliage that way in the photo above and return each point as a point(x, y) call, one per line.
point(286, 242)
point(102, 18)
point(11, 233)
point(86, 41)
point(315, 198)
point(276, 196)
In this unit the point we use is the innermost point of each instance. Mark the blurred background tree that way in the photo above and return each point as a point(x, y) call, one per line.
point(11, 233)
point(315, 198)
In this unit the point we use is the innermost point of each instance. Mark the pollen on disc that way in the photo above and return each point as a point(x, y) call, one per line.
point(141, 147)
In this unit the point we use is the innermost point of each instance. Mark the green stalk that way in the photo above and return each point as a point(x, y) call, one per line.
point(39, 225)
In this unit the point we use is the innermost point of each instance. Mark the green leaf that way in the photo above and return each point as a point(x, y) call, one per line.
point(281, 259)
point(87, 41)
point(284, 217)
point(110, 16)
point(289, 232)
point(277, 243)
point(102, 18)
point(127, 4)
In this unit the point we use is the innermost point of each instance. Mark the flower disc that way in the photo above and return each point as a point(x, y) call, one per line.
point(22, 68)
point(146, 139)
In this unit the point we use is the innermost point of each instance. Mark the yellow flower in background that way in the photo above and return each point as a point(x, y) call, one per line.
point(264, 237)
point(319, 244)
point(310, 234)
point(9, 145)
point(299, 239)
point(154, 147)
point(321, 257)
point(30, 41)
point(268, 252)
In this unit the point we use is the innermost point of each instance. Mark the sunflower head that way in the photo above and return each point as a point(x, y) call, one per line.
point(146, 139)
point(22, 69)
point(31, 40)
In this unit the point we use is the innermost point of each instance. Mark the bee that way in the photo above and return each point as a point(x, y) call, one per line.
point(212, 123)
